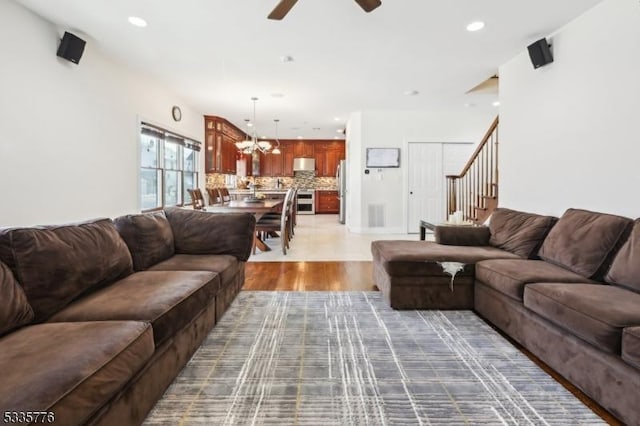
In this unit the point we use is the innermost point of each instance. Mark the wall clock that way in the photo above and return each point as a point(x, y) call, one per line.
point(176, 113)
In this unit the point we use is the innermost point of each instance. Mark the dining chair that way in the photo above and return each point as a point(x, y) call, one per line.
point(197, 200)
point(224, 194)
point(280, 224)
point(214, 196)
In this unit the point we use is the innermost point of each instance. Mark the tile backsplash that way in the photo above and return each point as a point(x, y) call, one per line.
point(300, 180)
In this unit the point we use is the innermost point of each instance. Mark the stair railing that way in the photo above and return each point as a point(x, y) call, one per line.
point(474, 191)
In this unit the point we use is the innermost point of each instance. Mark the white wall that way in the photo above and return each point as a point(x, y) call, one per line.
point(570, 131)
point(390, 129)
point(68, 133)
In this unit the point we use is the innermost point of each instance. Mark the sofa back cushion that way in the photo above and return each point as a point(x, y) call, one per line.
point(518, 232)
point(197, 232)
point(583, 241)
point(14, 308)
point(148, 236)
point(56, 264)
point(625, 269)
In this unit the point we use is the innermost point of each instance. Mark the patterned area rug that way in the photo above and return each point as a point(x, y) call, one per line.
point(329, 358)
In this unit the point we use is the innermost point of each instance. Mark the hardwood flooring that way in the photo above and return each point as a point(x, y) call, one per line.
point(358, 276)
point(309, 276)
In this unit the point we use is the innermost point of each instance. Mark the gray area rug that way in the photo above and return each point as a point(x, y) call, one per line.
point(346, 358)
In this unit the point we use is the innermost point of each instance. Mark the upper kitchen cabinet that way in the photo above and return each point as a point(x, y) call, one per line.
point(303, 149)
point(271, 164)
point(220, 151)
point(328, 154)
point(286, 149)
point(277, 165)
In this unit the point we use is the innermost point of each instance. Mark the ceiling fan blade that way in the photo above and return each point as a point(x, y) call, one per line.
point(369, 5)
point(281, 10)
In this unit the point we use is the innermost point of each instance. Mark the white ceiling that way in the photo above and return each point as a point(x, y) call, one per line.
point(217, 54)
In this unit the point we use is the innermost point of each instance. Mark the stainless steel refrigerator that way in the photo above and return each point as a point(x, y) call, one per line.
point(341, 176)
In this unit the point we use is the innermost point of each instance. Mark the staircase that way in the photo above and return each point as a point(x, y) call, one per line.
point(474, 192)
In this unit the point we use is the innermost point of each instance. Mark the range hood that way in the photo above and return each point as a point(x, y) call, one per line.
point(304, 165)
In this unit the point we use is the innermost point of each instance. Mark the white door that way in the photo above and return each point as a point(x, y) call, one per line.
point(426, 185)
point(429, 163)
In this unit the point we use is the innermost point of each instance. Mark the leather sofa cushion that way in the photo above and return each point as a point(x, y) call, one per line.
point(597, 313)
point(196, 232)
point(57, 264)
point(582, 241)
point(71, 369)
point(625, 269)
point(168, 300)
point(631, 346)
point(226, 266)
point(148, 236)
point(14, 308)
point(519, 232)
point(418, 258)
point(509, 276)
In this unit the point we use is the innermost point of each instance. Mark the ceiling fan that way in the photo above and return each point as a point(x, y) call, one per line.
point(281, 10)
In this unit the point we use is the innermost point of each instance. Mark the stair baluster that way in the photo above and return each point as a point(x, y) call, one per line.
point(474, 191)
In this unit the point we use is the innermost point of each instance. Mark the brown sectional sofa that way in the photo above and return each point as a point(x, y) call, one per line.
point(568, 290)
point(97, 318)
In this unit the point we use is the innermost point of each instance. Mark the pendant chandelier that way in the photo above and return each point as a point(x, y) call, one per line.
point(251, 143)
point(276, 150)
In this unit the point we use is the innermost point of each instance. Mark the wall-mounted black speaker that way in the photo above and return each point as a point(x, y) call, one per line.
point(71, 47)
point(540, 53)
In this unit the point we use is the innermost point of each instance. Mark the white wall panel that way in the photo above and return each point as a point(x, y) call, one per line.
point(68, 133)
point(570, 131)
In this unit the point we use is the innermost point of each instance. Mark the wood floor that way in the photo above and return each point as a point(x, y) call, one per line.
point(357, 276)
point(309, 276)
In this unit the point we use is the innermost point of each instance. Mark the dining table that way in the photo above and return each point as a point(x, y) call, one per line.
point(257, 208)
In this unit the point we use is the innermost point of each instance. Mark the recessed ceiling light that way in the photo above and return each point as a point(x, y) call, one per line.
point(339, 131)
point(336, 118)
point(496, 103)
point(138, 22)
point(411, 93)
point(299, 137)
point(475, 26)
point(336, 137)
point(249, 124)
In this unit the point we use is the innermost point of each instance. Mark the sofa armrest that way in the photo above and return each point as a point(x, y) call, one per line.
point(462, 235)
point(197, 232)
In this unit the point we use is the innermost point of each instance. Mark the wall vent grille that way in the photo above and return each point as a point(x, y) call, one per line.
point(376, 215)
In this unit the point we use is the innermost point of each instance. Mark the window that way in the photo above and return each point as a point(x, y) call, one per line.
point(168, 168)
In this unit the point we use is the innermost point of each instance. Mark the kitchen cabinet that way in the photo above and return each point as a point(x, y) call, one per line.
point(327, 155)
point(303, 149)
point(270, 164)
point(327, 202)
point(278, 165)
point(286, 148)
point(220, 151)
